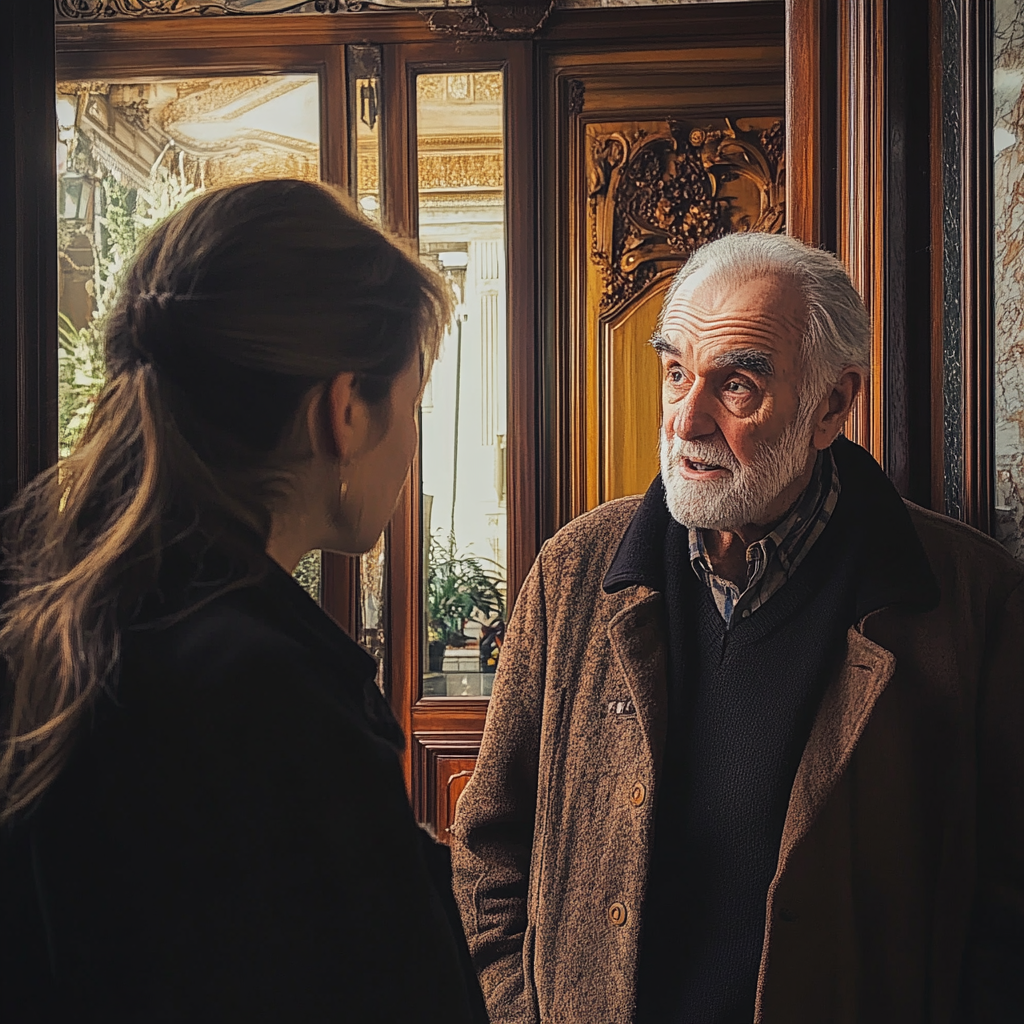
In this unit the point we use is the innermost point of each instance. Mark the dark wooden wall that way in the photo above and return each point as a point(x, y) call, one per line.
point(28, 279)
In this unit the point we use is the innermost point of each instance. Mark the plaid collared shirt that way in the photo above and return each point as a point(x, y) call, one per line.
point(773, 559)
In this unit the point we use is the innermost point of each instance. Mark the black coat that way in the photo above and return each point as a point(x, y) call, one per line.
point(231, 840)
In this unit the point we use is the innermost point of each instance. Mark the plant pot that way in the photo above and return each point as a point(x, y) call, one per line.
point(435, 655)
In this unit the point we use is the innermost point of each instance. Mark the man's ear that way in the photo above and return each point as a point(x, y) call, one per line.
point(836, 406)
point(339, 423)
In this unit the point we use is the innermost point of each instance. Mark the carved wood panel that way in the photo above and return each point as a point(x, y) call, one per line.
point(453, 773)
point(657, 191)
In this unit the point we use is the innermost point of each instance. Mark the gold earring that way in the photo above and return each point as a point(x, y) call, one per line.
point(344, 490)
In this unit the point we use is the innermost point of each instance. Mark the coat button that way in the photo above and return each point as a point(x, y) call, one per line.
point(638, 795)
point(617, 914)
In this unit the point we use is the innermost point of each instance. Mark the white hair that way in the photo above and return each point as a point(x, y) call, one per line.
point(838, 329)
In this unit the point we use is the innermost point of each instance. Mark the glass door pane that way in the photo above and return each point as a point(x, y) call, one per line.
point(129, 154)
point(461, 162)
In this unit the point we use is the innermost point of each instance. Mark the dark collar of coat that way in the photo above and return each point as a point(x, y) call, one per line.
point(895, 568)
point(195, 574)
point(289, 607)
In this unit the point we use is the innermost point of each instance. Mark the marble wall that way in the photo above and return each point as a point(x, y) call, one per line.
point(1008, 213)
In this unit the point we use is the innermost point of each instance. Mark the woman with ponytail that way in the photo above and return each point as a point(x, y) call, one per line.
point(202, 815)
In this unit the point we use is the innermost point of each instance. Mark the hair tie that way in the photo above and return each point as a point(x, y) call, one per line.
point(161, 299)
point(149, 325)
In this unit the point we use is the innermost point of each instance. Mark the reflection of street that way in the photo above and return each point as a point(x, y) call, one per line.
point(460, 142)
point(131, 153)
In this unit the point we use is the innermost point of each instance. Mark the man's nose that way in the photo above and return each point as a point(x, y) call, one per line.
point(692, 417)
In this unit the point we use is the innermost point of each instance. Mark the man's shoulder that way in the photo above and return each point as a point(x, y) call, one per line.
point(600, 529)
point(957, 550)
point(577, 557)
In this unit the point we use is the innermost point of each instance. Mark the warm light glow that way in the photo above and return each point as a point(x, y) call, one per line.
point(65, 113)
point(453, 260)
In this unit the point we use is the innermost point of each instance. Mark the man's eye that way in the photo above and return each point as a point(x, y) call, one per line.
point(675, 375)
point(737, 387)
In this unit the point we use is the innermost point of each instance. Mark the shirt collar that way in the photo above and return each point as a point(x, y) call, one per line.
point(773, 559)
point(790, 536)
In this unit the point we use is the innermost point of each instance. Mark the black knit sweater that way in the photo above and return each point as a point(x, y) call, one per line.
point(741, 704)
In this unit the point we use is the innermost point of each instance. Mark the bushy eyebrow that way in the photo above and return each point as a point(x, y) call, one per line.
point(750, 359)
point(661, 344)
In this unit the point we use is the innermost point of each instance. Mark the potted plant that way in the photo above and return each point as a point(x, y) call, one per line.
point(459, 587)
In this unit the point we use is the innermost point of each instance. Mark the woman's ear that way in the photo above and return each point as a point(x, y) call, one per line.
point(836, 406)
point(341, 426)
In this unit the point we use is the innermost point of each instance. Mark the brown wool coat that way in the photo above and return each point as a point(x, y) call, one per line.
point(906, 820)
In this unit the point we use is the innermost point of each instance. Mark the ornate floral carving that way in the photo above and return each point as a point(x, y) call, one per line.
point(131, 103)
point(93, 10)
point(490, 19)
point(655, 197)
point(448, 171)
point(577, 94)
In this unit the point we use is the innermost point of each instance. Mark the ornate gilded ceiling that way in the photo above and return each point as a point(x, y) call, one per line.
point(216, 131)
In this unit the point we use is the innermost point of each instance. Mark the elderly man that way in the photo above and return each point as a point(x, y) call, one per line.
point(753, 752)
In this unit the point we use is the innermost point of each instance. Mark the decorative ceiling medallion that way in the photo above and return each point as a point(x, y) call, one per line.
point(656, 197)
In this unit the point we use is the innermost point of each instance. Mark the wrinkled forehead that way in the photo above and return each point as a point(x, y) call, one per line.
point(713, 310)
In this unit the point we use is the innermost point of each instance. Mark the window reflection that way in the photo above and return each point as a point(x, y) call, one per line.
point(131, 153)
point(460, 160)
point(363, 66)
point(363, 70)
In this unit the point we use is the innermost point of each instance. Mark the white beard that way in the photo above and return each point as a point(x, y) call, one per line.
point(747, 494)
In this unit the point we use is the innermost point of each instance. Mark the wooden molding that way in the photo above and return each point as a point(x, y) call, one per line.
point(444, 762)
point(885, 225)
point(861, 207)
point(340, 589)
point(806, 61)
point(28, 310)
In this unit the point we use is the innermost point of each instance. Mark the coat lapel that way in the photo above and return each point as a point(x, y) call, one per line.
point(842, 715)
point(637, 636)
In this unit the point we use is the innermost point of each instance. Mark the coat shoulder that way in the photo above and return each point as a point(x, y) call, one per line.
point(956, 548)
point(222, 638)
point(599, 530)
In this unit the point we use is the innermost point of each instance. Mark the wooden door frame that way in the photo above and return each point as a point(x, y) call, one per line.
point(810, 121)
point(914, 220)
point(28, 306)
point(438, 726)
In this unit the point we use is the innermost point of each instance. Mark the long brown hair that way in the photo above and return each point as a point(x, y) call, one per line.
point(234, 308)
